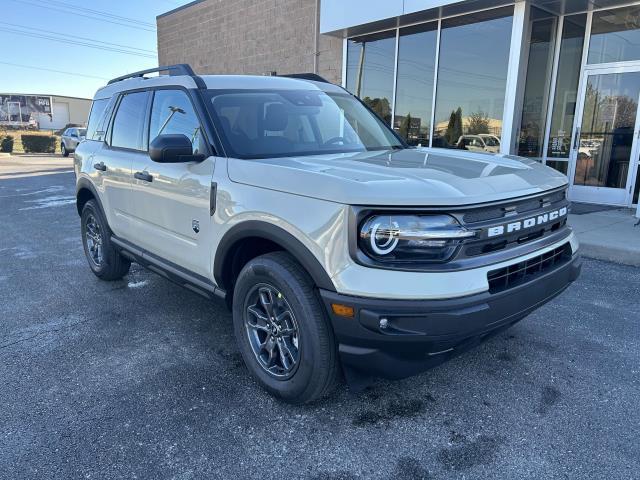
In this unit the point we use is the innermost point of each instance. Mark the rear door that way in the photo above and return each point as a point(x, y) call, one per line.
point(172, 201)
point(124, 144)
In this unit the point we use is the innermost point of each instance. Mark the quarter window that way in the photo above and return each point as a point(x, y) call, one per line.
point(173, 113)
point(129, 121)
point(95, 119)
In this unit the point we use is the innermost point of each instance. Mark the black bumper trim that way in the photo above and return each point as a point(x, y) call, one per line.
point(420, 334)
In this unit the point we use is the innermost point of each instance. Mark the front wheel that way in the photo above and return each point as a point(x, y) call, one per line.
point(282, 330)
point(63, 149)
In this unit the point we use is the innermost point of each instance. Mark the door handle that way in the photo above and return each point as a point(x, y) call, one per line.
point(100, 166)
point(144, 176)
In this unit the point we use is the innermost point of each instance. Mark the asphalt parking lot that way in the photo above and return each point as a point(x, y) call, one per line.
point(142, 379)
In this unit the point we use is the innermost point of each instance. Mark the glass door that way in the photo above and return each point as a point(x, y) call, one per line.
point(605, 144)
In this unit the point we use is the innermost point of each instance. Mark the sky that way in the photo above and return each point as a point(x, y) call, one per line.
point(33, 60)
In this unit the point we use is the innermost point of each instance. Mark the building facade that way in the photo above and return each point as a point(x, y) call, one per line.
point(45, 112)
point(553, 80)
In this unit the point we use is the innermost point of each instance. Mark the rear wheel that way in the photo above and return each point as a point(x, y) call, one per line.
point(282, 330)
point(104, 260)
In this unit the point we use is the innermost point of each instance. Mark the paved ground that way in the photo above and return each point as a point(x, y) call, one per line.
point(141, 379)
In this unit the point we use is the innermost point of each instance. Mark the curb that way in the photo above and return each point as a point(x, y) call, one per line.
point(610, 254)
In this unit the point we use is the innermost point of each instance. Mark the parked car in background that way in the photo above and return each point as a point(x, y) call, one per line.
point(475, 143)
point(70, 140)
point(490, 140)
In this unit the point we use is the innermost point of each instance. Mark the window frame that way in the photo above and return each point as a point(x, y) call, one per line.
point(114, 114)
point(211, 149)
point(212, 143)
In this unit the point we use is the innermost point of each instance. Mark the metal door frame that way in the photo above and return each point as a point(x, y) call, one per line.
point(590, 194)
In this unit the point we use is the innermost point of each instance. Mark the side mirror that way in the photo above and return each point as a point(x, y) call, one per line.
point(172, 148)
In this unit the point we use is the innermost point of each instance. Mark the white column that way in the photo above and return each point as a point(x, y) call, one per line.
point(516, 76)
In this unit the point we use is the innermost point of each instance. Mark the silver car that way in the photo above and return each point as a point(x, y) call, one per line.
point(70, 140)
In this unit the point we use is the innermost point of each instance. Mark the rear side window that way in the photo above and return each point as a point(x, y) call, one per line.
point(173, 113)
point(95, 118)
point(129, 121)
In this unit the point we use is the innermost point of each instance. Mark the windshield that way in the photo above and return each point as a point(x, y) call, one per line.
point(274, 123)
point(490, 141)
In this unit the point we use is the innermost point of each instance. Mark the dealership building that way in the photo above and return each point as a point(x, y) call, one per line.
point(553, 80)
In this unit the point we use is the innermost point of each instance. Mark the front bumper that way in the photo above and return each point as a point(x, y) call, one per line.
point(420, 334)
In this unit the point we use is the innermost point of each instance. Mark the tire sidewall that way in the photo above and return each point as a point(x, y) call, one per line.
point(265, 270)
point(90, 208)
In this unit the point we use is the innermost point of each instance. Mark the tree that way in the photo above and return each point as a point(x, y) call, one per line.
point(454, 128)
point(381, 106)
point(405, 127)
point(478, 123)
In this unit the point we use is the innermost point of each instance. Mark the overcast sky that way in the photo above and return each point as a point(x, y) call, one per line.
point(90, 42)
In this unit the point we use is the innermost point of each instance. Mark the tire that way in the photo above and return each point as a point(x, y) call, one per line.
point(104, 260)
point(316, 371)
point(63, 149)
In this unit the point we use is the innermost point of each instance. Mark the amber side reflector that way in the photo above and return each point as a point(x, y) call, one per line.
point(343, 310)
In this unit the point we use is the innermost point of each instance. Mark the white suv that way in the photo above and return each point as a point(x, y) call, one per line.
point(339, 248)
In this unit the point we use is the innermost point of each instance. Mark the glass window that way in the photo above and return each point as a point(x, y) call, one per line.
point(472, 75)
point(172, 113)
point(607, 130)
point(129, 121)
point(414, 86)
point(298, 122)
point(534, 108)
point(370, 67)
point(564, 105)
point(96, 118)
point(615, 35)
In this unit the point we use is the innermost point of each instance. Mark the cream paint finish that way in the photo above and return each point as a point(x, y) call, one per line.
point(164, 210)
point(309, 197)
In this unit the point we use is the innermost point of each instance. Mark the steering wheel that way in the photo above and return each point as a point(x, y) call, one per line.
point(335, 140)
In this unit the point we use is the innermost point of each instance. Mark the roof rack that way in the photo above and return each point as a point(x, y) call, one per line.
point(307, 76)
point(179, 69)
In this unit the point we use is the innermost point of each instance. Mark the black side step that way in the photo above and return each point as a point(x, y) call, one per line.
point(189, 280)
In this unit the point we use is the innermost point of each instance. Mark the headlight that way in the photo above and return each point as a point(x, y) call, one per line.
point(411, 238)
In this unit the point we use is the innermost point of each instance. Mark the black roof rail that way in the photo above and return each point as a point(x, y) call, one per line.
point(179, 69)
point(306, 76)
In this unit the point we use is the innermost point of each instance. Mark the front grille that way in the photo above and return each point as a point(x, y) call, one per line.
point(508, 277)
point(519, 207)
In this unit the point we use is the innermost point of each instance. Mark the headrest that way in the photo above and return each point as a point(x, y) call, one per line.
point(276, 117)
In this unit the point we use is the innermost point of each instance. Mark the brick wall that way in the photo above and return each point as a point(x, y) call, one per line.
point(248, 37)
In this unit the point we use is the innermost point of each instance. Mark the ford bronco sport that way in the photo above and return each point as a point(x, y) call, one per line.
point(339, 248)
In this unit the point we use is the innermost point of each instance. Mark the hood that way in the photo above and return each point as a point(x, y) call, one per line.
point(412, 177)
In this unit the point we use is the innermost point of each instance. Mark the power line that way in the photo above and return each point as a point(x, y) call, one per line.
point(53, 70)
point(96, 12)
point(76, 43)
point(94, 17)
point(78, 37)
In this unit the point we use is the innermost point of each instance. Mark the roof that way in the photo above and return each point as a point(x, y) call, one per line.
point(223, 82)
point(190, 4)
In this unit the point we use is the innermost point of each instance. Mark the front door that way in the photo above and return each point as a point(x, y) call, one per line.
point(172, 201)
point(605, 144)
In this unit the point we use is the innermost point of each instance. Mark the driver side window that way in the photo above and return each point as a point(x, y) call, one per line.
point(173, 113)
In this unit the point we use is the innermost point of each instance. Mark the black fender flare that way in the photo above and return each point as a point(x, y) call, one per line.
point(275, 234)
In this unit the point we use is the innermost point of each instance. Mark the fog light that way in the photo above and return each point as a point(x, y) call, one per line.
point(343, 310)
